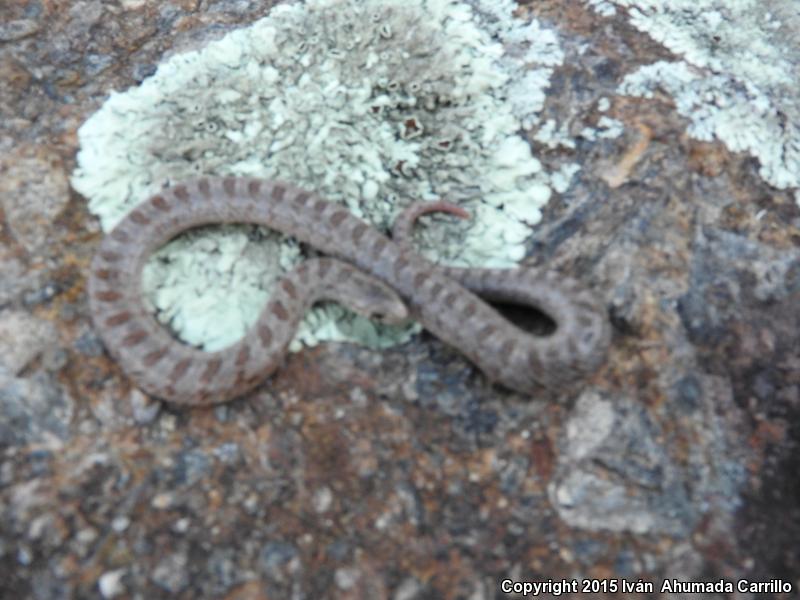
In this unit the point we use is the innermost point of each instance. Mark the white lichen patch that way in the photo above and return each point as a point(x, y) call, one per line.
point(603, 7)
point(551, 135)
point(738, 81)
point(562, 178)
point(373, 104)
point(607, 128)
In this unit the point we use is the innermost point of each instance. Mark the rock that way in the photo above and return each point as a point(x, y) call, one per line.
point(24, 338)
point(34, 190)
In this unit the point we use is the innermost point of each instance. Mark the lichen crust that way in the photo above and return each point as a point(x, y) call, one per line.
point(737, 78)
point(372, 104)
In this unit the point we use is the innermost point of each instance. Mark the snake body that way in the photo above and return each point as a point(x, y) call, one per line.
point(366, 270)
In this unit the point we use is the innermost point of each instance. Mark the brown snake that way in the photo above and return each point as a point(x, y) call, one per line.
point(369, 272)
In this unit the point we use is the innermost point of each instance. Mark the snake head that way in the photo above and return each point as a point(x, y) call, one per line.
point(363, 293)
point(379, 302)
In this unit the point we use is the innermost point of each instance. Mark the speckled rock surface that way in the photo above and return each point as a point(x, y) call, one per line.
point(401, 474)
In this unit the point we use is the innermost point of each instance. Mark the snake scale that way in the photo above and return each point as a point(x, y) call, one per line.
point(364, 269)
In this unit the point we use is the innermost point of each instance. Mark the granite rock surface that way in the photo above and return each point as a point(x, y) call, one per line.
point(400, 473)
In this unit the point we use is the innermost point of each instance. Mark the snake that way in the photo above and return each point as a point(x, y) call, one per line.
point(370, 272)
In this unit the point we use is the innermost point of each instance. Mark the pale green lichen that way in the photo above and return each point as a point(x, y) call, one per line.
point(372, 104)
point(738, 79)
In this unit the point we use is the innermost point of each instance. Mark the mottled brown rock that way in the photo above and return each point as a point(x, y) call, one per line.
point(402, 473)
